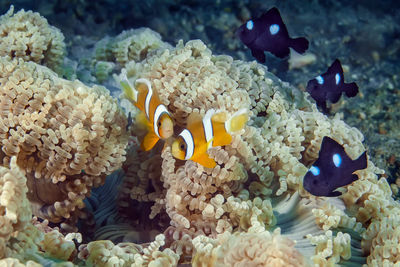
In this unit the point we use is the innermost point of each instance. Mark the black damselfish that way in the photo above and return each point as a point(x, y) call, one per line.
point(330, 86)
point(269, 33)
point(333, 169)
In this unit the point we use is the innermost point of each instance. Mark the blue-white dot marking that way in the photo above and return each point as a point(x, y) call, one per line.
point(337, 160)
point(319, 79)
point(250, 25)
point(315, 170)
point(337, 78)
point(274, 29)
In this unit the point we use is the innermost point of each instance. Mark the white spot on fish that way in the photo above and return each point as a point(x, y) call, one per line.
point(320, 80)
point(274, 29)
point(337, 78)
point(250, 25)
point(337, 160)
point(315, 170)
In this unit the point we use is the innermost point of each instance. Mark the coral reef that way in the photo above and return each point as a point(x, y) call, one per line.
point(66, 136)
point(61, 138)
point(266, 162)
point(27, 35)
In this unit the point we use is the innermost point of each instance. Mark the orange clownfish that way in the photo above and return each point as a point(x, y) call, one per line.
point(201, 134)
point(154, 114)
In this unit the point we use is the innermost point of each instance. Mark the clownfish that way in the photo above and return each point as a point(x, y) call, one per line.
point(201, 134)
point(154, 115)
point(333, 169)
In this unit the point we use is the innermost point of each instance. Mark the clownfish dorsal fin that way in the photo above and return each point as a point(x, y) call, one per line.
point(193, 118)
point(205, 160)
point(149, 141)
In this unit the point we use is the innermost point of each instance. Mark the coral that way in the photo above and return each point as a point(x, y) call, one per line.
point(247, 249)
point(19, 238)
point(113, 53)
point(63, 137)
point(330, 250)
point(12, 262)
point(103, 70)
point(14, 206)
point(27, 35)
point(265, 162)
point(66, 136)
point(136, 45)
point(105, 253)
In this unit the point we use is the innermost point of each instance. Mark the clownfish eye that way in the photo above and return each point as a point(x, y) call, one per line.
point(182, 146)
point(159, 123)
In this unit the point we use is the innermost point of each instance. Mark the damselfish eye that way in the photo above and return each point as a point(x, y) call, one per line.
point(315, 182)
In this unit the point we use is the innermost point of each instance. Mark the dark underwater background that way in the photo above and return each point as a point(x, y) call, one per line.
point(363, 35)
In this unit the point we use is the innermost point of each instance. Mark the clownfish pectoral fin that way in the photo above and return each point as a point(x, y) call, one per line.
point(149, 141)
point(205, 160)
point(142, 119)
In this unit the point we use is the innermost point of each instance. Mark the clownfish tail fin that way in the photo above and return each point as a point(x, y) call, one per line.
point(237, 121)
point(127, 87)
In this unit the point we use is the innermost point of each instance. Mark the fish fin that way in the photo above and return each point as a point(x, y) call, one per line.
point(329, 147)
point(334, 96)
point(205, 160)
point(142, 119)
point(237, 121)
point(281, 52)
point(354, 178)
point(128, 88)
point(259, 55)
point(334, 194)
point(300, 45)
point(273, 16)
point(336, 67)
point(222, 139)
point(193, 118)
point(322, 105)
point(351, 89)
point(361, 162)
point(149, 141)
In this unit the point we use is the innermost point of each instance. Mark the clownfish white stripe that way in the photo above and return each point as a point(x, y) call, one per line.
point(188, 138)
point(157, 114)
point(207, 126)
point(147, 102)
point(148, 96)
